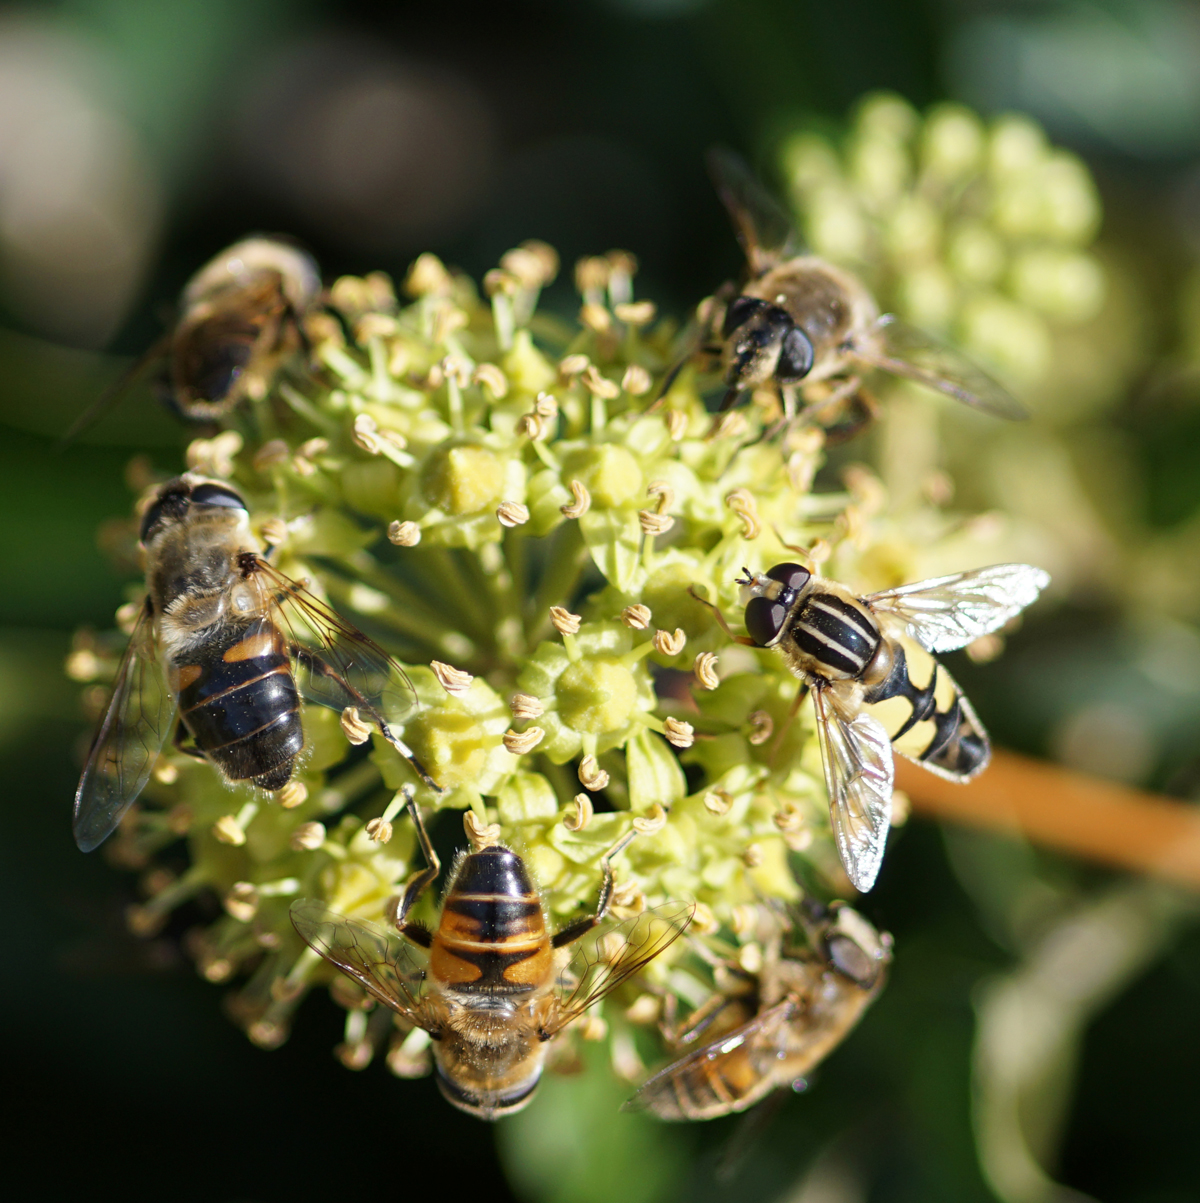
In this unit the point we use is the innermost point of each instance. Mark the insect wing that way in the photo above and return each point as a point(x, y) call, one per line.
point(764, 230)
point(948, 612)
point(658, 1092)
point(127, 744)
point(906, 351)
point(336, 664)
point(379, 960)
point(591, 974)
point(859, 771)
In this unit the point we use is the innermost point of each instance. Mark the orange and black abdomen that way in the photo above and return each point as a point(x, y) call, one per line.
point(239, 701)
point(492, 937)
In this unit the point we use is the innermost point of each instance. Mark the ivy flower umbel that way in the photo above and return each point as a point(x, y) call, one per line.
point(491, 493)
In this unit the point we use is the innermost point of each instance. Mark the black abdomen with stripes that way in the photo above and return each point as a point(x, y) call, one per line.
point(240, 703)
point(492, 938)
point(840, 635)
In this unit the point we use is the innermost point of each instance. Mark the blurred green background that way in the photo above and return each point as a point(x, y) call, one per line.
point(1040, 1026)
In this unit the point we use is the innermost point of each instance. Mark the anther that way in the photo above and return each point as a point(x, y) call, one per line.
point(480, 835)
point(404, 534)
point(241, 901)
point(565, 623)
point(573, 365)
point(705, 669)
point(744, 919)
point(637, 382)
point(662, 491)
point(653, 822)
point(521, 742)
point(274, 531)
point(582, 502)
point(591, 776)
point(453, 680)
point(492, 378)
point(730, 425)
point(762, 727)
point(427, 275)
point(750, 958)
point(596, 318)
point(292, 795)
point(653, 523)
point(270, 455)
point(718, 802)
point(752, 856)
point(600, 386)
point(679, 734)
point(742, 503)
point(214, 457)
point(636, 313)
point(636, 617)
point(677, 423)
point(353, 727)
point(667, 644)
point(591, 276)
point(308, 837)
point(378, 830)
point(311, 448)
point(512, 513)
point(579, 817)
point(704, 922)
point(228, 831)
point(526, 706)
point(644, 1009)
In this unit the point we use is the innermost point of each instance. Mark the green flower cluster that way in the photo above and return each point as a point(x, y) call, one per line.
point(495, 494)
point(968, 230)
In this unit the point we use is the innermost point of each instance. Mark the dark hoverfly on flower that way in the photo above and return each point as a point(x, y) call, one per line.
point(812, 330)
point(767, 1031)
point(224, 648)
point(487, 984)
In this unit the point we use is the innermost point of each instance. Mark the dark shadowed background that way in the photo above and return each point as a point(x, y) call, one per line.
point(137, 137)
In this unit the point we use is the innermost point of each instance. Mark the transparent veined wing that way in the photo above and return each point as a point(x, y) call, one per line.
point(337, 665)
point(380, 960)
point(903, 350)
point(621, 951)
point(729, 1074)
point(948, 612)
point(764, 230)
point(130, 737)
point(859, 771)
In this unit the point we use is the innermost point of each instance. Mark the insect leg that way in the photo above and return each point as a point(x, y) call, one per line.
point(721, 620)
point(793, 710)
point(316, 664)
point(425, 878)
point(181, 733)
point(570, 934)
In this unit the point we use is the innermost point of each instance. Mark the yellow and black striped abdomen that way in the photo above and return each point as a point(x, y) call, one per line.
point(492, 937)
point(239, 701)
point(925, 714)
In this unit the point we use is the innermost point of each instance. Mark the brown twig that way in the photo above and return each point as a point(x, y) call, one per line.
point(1081, 815)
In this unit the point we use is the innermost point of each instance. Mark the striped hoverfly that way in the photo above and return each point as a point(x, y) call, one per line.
point(230, 645)
point(800, 324)
point(765, 1032)
point(875, 686)
point(487, 984)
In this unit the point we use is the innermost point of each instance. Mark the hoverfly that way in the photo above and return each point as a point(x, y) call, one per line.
point(241, 318)
point(783, 1023)
point(485, 984)
point(230, 644)
point(874, 684)
point(800, 322)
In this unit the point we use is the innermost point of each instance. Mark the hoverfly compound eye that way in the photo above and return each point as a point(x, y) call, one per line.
point(791, 576)
point(795, 357)
point(150, 520)
point(211, 494)
point(740, 311)
point(764, 620)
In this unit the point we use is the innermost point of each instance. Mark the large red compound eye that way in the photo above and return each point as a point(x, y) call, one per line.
point(791, 576)
point(764, 620)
